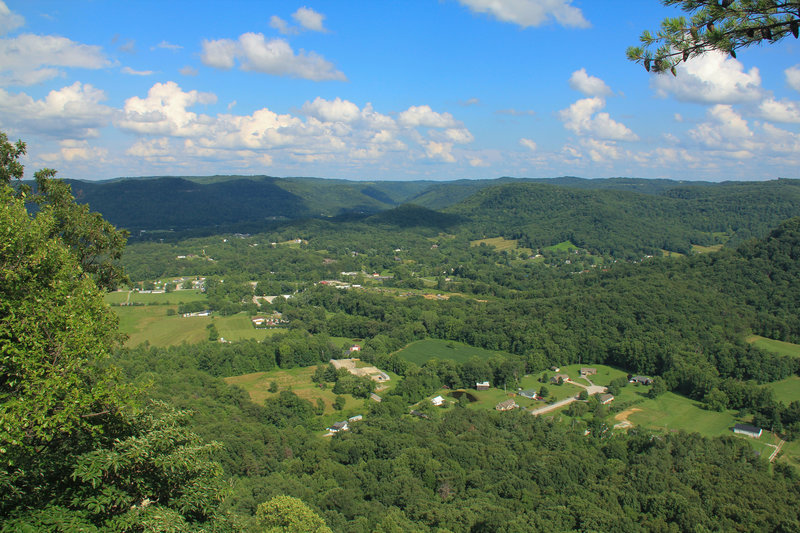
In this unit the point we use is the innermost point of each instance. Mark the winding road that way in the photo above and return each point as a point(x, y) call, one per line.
point(591, 389)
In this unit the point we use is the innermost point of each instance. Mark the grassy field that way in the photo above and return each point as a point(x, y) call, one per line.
point(298, 380)
point(162, 298)
point(499, 243)
point(672, 411)
point(420, 351)
point(791, 453)
point(152, 324)
point(698, 249)
point(778, 347)
point(668, 253)
point(565, 246)
point(786, 390)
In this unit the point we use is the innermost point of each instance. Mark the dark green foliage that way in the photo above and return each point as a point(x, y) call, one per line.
point(347, 383)
point(287, 409)
point(76, 452)
point(338, 403)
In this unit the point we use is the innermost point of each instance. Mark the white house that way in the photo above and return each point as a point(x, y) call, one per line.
point(437, 401)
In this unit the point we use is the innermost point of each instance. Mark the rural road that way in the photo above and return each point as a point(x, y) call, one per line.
point(777, 449)
point(591, 389)
point(553, 406)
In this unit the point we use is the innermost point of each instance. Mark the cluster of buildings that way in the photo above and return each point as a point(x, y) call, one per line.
point(274, 320)
point(344, 425)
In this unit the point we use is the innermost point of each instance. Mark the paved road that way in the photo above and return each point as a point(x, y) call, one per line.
point(591, 389)
point(553, 406)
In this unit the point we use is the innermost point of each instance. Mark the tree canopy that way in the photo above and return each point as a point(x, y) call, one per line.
point(715, 25)
point(76, 451)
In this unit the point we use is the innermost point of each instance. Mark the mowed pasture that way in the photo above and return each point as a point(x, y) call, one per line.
point(564, 246)
point(670, 411)
point(699, 249)
point(777, 347)
point(786, 390)
point(421, 351)
point(154, 298)
point(298, 380)
point(500, 244)
point(150, 321)
point(151, 324)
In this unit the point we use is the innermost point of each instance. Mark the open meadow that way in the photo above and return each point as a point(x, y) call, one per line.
point(298, 380)
point(771, 345)
point(501, 244)
point(786, 390)
point(154, 298)
point(564, 246)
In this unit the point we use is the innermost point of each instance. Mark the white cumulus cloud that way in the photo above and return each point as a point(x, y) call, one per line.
point(793, 77)
point(309, 19)
point(270, 56)
point(9, 20)
point(29, 59)
point(425, 116)
point(72, 150)
point(153, 149)
point(588, 85)
point(337, 110)
point(780, 110)
point(725, 130)
point(72, 112)
point(440, 151)
point(164, 112)
point(527, 143)
point(527, 13)
point(583, 118)
point(281, 25)
point(712, 78)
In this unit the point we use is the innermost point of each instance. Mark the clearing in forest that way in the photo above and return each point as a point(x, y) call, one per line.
point(152, 324)
point(786, 390)
point(298, 380)
point(771, 345)
point(562, 246)
point(499, 243)
point(699, 249)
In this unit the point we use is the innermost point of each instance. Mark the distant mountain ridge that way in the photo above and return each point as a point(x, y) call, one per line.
point(225, 202)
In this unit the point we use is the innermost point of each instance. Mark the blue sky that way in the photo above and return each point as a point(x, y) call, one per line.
point(421, 89)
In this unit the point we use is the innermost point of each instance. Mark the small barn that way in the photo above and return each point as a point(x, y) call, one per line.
point(339, 426)
point(606, 399)
point(748, 430)
point(482, 385)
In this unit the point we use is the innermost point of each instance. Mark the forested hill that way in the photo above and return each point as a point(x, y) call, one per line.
point(617, 221)
point(249, 203)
